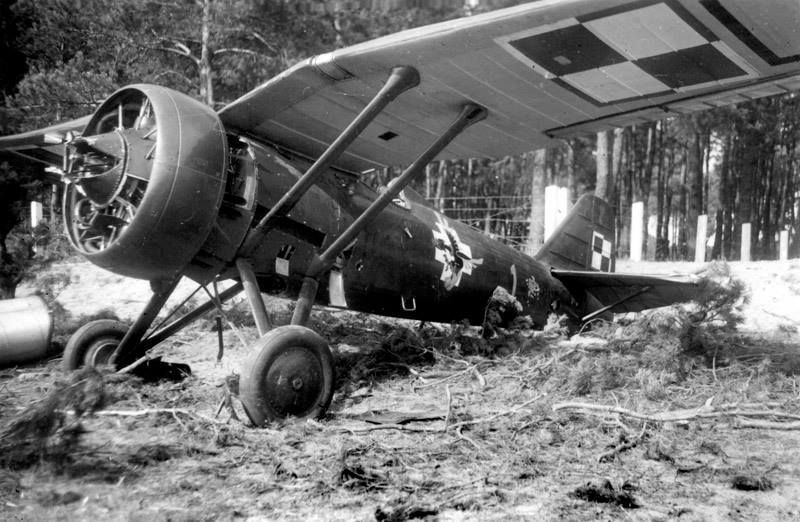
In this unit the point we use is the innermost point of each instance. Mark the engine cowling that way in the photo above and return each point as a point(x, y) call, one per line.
point(146, 180)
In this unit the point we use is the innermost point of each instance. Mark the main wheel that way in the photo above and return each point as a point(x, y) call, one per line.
point(93, 343)
point(290, 375)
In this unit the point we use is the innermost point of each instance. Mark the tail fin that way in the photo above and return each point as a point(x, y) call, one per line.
point(585, 238)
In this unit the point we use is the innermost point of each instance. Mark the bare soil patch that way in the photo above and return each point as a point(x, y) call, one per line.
point(627, 422)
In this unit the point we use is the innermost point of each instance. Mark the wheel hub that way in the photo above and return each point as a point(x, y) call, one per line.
point(293, 384)
point(100, 353)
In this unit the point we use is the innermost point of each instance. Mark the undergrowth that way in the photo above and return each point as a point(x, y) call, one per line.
point(50, 428)
point(497, 445)
point(667, 346)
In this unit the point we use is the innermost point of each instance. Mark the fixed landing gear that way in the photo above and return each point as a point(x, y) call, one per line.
point(291, 374)
point(291, 371)
point(111, 342)
point(93, 344)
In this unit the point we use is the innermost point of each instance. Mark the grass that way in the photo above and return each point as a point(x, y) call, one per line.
point(500, 457)
point(493, 449)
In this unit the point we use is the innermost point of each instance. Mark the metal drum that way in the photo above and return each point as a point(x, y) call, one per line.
point(25, 330)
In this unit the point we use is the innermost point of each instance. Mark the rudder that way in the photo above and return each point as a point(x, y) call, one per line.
point(584, 240)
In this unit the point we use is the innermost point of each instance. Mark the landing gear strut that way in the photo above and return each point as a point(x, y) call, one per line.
point(111, 342)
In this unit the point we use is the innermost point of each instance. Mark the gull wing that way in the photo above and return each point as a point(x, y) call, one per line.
point(544, 70)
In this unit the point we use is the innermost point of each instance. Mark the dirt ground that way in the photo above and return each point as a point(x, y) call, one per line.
point(434, 422)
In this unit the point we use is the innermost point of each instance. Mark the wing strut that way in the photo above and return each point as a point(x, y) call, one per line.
point(607, 308)
point(470, 113)
point(400, 80)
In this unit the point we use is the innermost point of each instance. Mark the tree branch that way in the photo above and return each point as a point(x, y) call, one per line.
point(181, 50)
point(263, 41)
point(767, 425)
point(155, 411)
point(705, 411)
point(235, 50)
point(447, 426)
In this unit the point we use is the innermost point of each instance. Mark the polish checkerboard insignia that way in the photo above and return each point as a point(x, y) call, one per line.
point(601, 252)
point(644, 50)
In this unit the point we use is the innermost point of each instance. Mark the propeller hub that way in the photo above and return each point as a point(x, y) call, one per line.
point(97, 164)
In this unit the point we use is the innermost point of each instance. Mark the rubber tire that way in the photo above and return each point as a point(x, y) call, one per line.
point(268, 349)
point(87, 338)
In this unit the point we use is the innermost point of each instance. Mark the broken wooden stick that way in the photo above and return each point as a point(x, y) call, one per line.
point(449, 407)
point(624, 445)
point(490, 418)
point(380, 427)
point(472, 369)
point(463, 437)
point(138, 362)
point(151, 411)
point(705, 411)
point(448, 426)
point(766, 425)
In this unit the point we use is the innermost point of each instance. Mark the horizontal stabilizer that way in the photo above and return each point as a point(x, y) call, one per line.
point(620, 293)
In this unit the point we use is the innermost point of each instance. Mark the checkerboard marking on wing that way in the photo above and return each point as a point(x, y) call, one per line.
point(624, 53)
point(601, 252)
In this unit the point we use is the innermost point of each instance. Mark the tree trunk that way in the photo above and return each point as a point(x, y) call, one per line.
point(428, 171)
point(683, 252)
point(487, 223)
point(785, 196)
point(571, 189)
point(440, 185)
point(661, 223)
point(617, 185)
point(706, 172)
point(746, 186)
point(668, 243)
point(536, 230)
point(716, 250)
point(694, 167)
point(646, 179)
point(604, 183)
point(722, 239)
point(767, 228)
point(204, 63)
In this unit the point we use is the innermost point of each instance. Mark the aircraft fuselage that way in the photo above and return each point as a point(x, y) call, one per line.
point(410, 262)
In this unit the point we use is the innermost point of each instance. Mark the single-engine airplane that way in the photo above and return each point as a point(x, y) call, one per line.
point(267, 191)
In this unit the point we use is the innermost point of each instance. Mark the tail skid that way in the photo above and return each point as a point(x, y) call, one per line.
point(584, 240)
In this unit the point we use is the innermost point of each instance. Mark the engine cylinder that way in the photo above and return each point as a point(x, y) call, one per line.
point(147, 180)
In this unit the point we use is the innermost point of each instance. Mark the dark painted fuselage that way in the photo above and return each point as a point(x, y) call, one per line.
point(410, 262)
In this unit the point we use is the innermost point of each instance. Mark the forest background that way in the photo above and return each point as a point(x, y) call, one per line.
point(61, 58)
